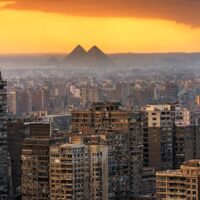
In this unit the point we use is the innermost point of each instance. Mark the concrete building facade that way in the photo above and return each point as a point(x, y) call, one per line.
point(78, 171)
point(35, 162)
point(181, 184)
point(4, 157)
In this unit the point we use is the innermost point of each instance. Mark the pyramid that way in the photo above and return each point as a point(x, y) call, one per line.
point(95, 57)
point(99, 58)
point(76, 57)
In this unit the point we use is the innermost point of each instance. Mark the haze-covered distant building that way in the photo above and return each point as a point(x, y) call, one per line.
point(171, 91)
point(12, 102)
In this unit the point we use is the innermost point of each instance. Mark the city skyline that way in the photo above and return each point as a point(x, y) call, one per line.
point(114, 26)
point(99, 99)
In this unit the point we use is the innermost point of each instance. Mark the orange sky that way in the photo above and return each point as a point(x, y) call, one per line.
point(41, 26)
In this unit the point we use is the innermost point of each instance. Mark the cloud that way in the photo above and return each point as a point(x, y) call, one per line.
point(181, 11)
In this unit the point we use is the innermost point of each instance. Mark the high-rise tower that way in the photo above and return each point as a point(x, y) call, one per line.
point(4, 161)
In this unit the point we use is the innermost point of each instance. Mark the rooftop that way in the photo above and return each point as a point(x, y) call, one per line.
point(192, 163)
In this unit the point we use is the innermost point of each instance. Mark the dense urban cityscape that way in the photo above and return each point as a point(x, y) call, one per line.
point(91, 135)
point(99, 100)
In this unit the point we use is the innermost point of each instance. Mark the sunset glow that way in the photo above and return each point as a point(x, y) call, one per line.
point(26, 31)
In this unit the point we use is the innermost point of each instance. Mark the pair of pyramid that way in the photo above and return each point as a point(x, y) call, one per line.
point(94, 57)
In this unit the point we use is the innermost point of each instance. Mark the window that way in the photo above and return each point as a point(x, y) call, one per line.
point(194, 187)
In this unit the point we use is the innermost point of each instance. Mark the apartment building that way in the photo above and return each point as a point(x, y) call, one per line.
point(106, 115)
point(69, 172)
point(35, 161)
point(180, 184)
point(78, 171)
point(4, 157)
point(163, 131)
